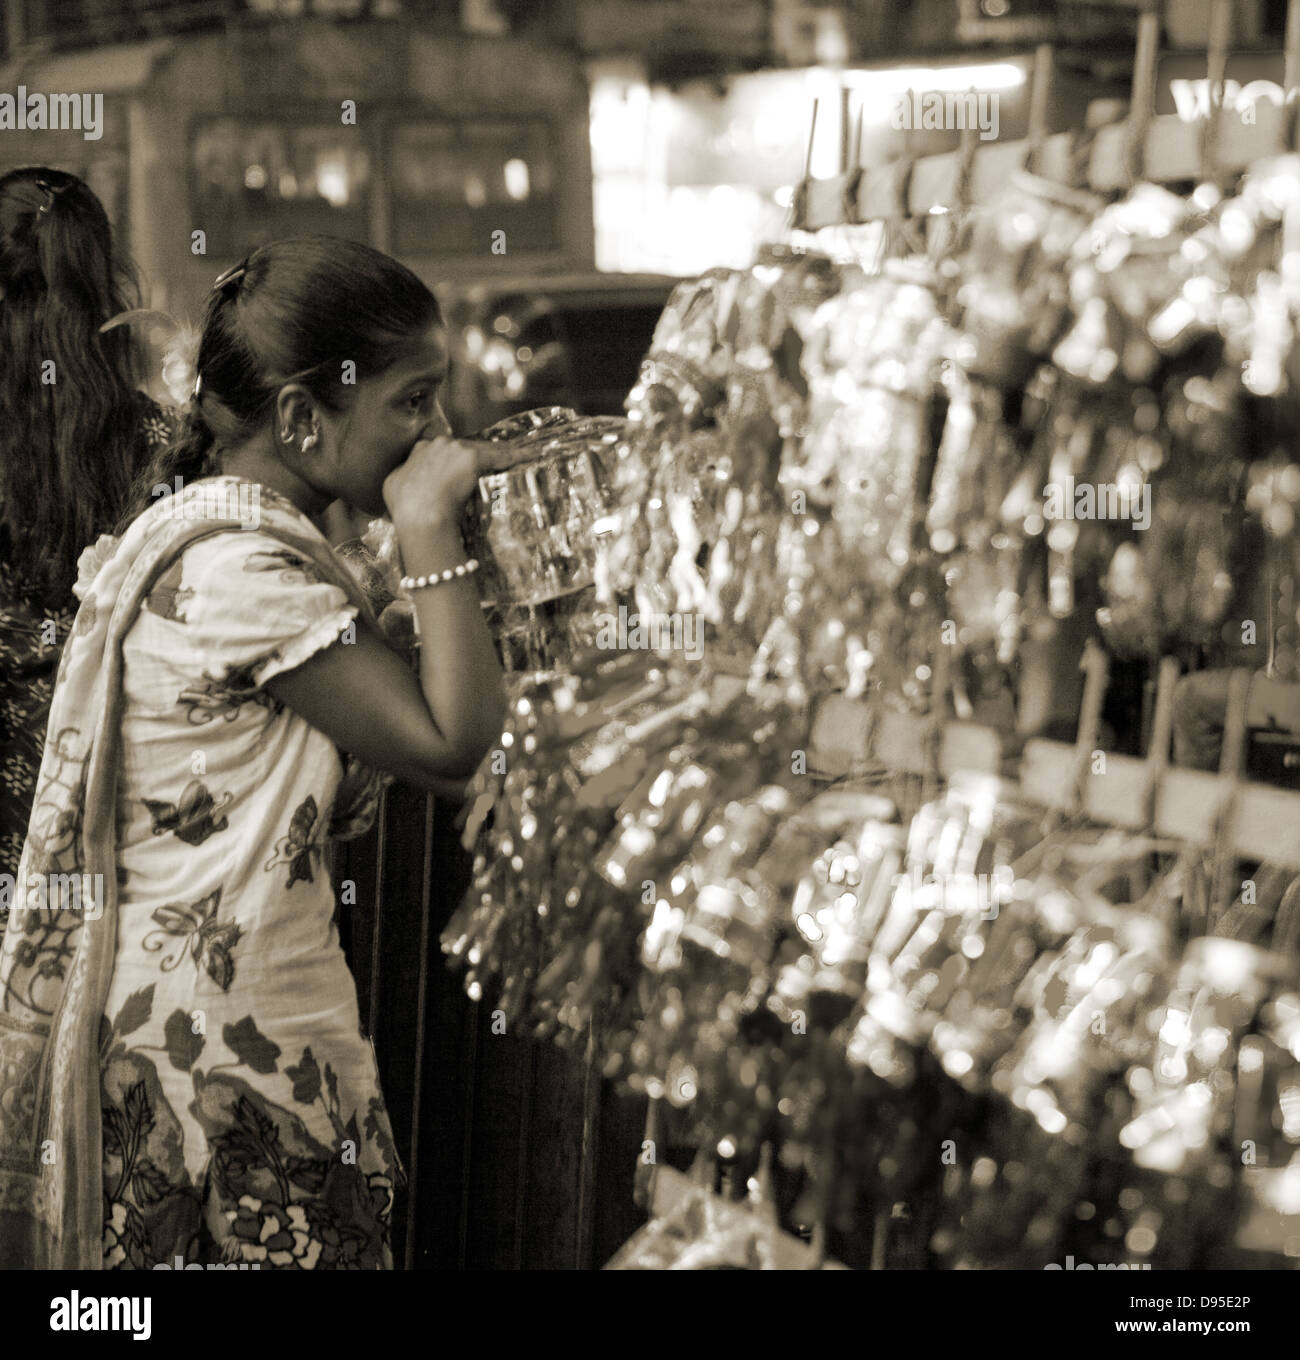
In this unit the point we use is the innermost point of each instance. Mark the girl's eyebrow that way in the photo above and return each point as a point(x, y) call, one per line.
point(433, 375)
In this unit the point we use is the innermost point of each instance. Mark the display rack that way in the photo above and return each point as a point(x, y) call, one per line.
point(1261, 821)
point(1258, 822)
point(1221, 813)
point(1106, 159)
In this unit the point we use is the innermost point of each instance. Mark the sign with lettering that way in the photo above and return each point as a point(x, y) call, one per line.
point(1250, 78)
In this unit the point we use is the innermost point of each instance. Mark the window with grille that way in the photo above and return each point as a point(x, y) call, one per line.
point(254, 180)
point(456, 183)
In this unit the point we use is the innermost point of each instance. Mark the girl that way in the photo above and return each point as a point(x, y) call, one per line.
point(225, 688)
point(74, 432)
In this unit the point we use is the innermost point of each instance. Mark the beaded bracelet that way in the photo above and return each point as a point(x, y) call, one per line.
point(409, 583)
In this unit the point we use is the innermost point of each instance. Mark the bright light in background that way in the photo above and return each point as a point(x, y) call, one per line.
point(620, 113)
point(877, 92)
point(699, 176)
point(255, 177)
point(995, 76)
point(332, 182)
point(516, 174)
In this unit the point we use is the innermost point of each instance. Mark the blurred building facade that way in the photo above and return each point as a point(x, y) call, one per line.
point(454, 150)
point(480, 138)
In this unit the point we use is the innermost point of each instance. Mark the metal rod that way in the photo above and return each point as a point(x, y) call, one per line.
point(525, 1149)
point(1291, 75)
point(589, 1153)
point(879, 1239)
point(1232, 765)
point(467, 1139)
point(421, 1021)
point(381, 856)
point(647, 1172)
point(1142, 94)
point(961, 199)
point(1216, 65)
point(1040, 95)
point(1162, 721)
point(812, 137)
point(1096, 668)
point(846, 129)
point(1232, 759)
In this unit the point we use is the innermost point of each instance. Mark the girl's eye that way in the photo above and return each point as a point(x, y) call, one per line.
point(417, 400)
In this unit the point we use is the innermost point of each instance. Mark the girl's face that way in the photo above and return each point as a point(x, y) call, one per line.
point(390, 413)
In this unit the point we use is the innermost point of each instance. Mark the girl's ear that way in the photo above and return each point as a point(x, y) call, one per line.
point(295, 415)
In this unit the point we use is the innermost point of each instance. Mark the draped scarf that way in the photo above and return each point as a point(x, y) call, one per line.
point(58, 953)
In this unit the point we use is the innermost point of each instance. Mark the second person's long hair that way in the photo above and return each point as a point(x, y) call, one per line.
point(70, 405)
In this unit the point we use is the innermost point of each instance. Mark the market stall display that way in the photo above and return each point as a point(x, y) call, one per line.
point(1049, 1006)
point(536, 526)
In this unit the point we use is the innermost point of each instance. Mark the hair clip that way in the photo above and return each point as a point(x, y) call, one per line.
point(198, 387)
point(51, 191)
point(232, 275)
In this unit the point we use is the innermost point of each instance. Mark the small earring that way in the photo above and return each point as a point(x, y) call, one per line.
point(286, 435)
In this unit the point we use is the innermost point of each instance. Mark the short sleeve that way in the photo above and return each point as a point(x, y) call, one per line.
point(254, 607)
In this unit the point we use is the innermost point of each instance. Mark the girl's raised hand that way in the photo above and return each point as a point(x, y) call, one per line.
point(432, 486)
point(441, 474)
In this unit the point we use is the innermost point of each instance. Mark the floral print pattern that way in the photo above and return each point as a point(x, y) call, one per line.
point(301, 845)
point(208, 941)
point(281, 1196)
point(212, 697)
point(291, 569)
point(44, 950)
point(239, 1108)
point(241, 1104)
point(194, 818)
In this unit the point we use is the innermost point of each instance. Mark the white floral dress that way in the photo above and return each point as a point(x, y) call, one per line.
point(243, 1119)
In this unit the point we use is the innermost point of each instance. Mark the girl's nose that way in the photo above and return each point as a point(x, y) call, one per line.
point(437, 426)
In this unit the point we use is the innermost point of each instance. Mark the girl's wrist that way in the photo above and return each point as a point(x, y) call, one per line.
point(426, 522)
point(430, 547)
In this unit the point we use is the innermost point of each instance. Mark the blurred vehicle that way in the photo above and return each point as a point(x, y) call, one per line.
point(462, 155)
point(559, 340)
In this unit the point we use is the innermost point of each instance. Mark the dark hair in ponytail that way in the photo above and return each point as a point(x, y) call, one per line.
point(295, 311)
point(68, 448)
